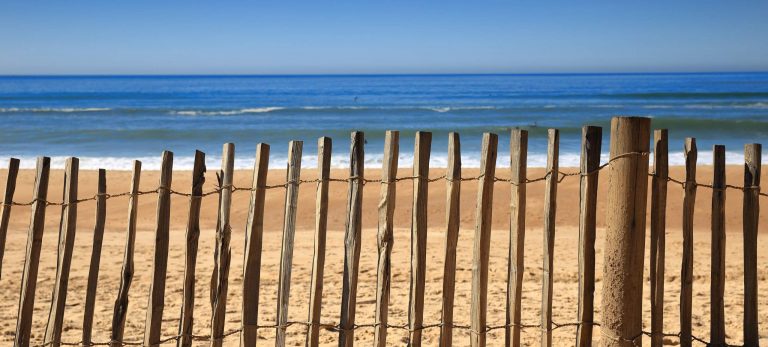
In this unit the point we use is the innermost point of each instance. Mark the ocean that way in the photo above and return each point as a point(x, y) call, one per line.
point(108, 121)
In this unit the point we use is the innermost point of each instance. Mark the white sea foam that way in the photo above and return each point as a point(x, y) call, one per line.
point(372, 160)
point(226, 113)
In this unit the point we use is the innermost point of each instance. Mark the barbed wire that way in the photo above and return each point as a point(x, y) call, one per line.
point(404, 327)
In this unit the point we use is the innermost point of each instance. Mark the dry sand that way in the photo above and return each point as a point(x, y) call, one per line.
point(566, 259)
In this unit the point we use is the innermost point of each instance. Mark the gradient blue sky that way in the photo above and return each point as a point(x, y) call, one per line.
point(320, 37)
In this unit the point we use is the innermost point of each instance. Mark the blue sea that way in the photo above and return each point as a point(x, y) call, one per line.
point(107, 121)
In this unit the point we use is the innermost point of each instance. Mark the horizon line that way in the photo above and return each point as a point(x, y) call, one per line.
point(386, 74)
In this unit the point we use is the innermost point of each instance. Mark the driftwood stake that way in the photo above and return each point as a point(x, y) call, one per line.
point(254, 231)
point(190, 255)
point(352, 237)
point(482, 242)
point(421, 152)
point(452, 224)
point(321, 224)
point(550, 209)
point(591, 141)
point(518, 151)
point(751, 214)
point(717, 284)
point(5, 218)
point(67, 230)
point(93, 270)
point(126, 274)
point(658, 230)
point(686, 269)
point(222, 256)
point(385, 235)
point(156, 300)
point(289, 233)
point(32, 259)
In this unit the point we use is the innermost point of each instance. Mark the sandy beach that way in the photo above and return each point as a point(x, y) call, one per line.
point(566, 257)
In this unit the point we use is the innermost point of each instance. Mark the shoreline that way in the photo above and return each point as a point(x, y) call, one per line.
point(373, 160)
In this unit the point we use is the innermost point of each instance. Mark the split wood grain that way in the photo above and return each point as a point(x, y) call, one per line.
point(352, 235)
point(324, 150)
point(32, 258)
point(482, 240)
point(289, 233)
point(254, 232)
point(385, 235)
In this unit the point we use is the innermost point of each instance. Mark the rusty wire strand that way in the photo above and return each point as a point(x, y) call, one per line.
point(404, 327)
point(560, 177)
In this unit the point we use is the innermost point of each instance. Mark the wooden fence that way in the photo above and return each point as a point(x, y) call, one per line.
point(623, 260)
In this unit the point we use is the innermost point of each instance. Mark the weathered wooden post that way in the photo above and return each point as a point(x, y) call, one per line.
point(126, 274)
point(32, 259)
point(482, 242)
point(591, 141)
point(518, 163)
point(190, 255)
point(324, 147)
point(222, 255)
point(156, 301)
point(289, 234)
point(254, 233)
point(421, 152)
point(452, 225)
point(717, 267)
point(385, 235)
point(5, 215)
point(658, 229)
point(67, 230)
point(93, 270)
point(686, 269)
point(751, 216)
point(625, 232)
point(550, 210)
point(352, 236)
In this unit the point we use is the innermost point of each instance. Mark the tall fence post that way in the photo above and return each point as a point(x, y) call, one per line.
point(222, 255)
point(10, 189)
point(385, 236)
point(289, 232)
point(550, 210)
point(452, 224)
point(32, 258)
point(751, 214)
point(625, 232)
point(190, 254)
point(156, 300)
point(352, 235)
point(324, 147)
point(658, 230)
point(254, 232)
point(591, 141)
point(93, 269)
point(482, 241)
point(126, 273)
point(518, 163)
point(421, 152)
point(717, 278)
point(686, 269)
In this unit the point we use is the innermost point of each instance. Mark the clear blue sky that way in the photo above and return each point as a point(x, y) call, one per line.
point(284, 37)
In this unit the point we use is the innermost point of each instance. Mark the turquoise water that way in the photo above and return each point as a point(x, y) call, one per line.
point(109, 121)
